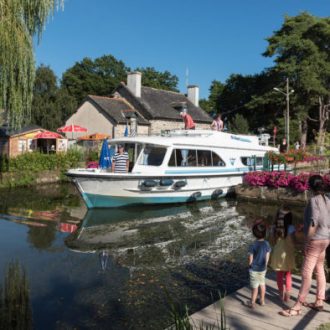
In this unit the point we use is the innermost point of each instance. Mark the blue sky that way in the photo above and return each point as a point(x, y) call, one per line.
point(212, 38)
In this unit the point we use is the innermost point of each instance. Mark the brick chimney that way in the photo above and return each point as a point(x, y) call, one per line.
point(193, 94)
point(134, 82)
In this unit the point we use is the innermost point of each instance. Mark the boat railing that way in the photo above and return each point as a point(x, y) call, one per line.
point(192, 133)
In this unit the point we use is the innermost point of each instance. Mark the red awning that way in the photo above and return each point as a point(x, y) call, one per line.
point(48, 135)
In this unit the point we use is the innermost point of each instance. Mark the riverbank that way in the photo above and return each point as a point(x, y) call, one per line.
point(35, 168)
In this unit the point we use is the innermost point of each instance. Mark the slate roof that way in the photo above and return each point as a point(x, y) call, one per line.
point(160, 104)
point(116, 108)
point(4, 132)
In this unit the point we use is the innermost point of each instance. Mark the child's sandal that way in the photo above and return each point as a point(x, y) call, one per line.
point(250, 304)
point(290, 312)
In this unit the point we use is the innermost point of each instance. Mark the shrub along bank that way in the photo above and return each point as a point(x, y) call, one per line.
point(34, 168)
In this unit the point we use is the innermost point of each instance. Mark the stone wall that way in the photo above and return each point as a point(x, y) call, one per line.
point(119, 130)
point(279, 195)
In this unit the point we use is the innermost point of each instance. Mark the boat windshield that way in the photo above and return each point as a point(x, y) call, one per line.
point(152, 155)
point(133, 150)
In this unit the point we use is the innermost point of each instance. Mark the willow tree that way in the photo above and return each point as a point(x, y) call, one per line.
point(20, 22)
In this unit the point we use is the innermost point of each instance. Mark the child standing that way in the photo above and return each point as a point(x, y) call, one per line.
point(283, 258)
point(259, 253)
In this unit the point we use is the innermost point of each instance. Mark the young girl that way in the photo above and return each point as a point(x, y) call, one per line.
point(283, 258)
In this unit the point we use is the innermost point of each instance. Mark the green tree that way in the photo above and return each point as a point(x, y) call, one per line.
point(99, 77)
point(51, 105)
point(212, 104)
point(19, 22)
point(301, 52)
point(157, 79)
point(239, 124)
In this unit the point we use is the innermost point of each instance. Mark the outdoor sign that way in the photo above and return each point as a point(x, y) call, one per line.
point(62, 145)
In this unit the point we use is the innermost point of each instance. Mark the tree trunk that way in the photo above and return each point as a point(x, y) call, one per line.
point(303, 127)
point(323, 118)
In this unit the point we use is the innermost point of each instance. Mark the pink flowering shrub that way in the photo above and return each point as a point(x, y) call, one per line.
point(300, 182)
point(278, 179)
point(256, 179)
point(281, 179)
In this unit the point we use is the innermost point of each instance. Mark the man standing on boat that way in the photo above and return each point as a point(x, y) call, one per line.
point(217, 123)
point(187, 119)
point(120, 161)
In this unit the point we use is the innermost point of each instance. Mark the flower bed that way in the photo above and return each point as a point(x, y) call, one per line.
point(277, 179)
point(293, 156)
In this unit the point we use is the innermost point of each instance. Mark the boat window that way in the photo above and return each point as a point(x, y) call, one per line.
point(217, 160)
point(189, 157)
point(204, 158)
point(152, 155)
point(249, 161)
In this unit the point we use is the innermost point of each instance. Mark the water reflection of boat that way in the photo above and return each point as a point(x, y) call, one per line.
point(158, 237)
point(102, 227)
point(180, 167)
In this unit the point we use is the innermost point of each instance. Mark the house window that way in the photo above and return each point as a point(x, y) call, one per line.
point(21, 146)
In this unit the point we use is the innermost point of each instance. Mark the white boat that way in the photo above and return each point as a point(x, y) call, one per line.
point(176, 167)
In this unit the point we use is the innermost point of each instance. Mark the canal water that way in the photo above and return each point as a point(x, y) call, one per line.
point(63, 267)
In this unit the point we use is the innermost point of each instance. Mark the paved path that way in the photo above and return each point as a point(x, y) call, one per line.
point(239, 316)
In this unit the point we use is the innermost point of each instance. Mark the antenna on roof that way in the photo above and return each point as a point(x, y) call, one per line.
point(187, 77)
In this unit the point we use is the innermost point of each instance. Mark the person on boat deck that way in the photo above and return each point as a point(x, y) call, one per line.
point(217, 123)
point(188, 121)
point(283, 146)
point(120, 161)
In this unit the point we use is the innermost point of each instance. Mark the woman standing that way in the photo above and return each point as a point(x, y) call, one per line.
point(316, 230)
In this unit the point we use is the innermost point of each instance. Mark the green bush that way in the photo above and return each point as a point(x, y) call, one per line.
point(36, 162)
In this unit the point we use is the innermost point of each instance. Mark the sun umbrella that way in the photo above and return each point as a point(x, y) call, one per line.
point(48, 135)
point(71, 128)
point(105, 157)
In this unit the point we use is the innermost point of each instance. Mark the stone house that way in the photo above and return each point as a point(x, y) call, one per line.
point(154, 110)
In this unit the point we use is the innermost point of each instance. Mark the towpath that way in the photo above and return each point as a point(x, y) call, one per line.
point(241, 317)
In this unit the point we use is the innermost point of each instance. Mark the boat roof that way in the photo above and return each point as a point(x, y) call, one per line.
point(198, 138)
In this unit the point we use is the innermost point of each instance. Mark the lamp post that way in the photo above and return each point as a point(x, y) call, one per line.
point(287, 112)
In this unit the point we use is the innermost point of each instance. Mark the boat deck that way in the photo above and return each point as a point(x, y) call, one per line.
point(239, 316)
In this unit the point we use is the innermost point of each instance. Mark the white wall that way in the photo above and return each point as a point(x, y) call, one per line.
point(89, 117)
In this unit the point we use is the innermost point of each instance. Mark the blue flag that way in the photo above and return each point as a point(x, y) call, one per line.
point(126, 131)
point(105, 157)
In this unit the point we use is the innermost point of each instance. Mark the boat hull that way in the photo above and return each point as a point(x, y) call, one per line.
point(106, 191)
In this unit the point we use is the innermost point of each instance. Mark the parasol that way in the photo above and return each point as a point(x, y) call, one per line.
point(48, 135)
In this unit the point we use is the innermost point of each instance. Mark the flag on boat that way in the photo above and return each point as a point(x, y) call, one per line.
point(126, 131)
point(105, 157)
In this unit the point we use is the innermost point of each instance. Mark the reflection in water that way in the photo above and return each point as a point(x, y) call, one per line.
point(42, 237)
point(15, 306)
point(104, 256)
point(111, 269)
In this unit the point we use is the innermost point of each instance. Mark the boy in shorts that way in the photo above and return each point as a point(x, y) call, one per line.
point(259, 253)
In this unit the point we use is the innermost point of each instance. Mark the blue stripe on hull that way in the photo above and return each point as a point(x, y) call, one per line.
point(95, 201)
